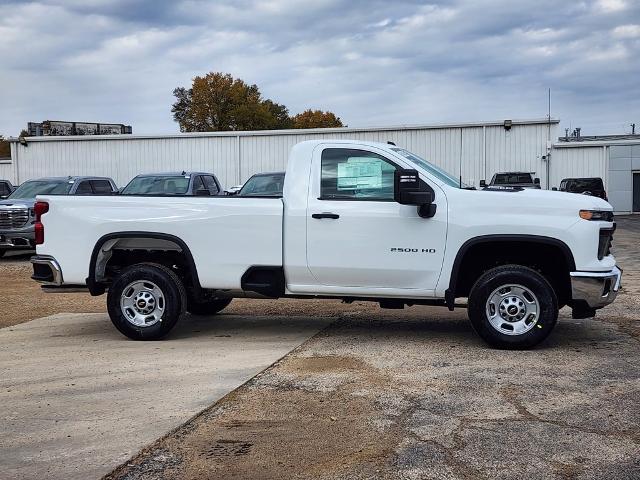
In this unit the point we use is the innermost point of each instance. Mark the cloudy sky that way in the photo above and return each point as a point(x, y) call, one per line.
point(372, 62)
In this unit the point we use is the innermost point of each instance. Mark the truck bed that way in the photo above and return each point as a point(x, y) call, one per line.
point(225, 235)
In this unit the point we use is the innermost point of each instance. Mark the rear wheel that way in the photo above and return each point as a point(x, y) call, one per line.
point(513, 307)
point(146, 301)
point(207, 307)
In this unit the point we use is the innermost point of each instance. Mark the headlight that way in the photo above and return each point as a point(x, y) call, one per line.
point(597, 215)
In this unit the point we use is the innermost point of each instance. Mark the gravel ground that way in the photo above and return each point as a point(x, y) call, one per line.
point(23, 300)
point(414, 394)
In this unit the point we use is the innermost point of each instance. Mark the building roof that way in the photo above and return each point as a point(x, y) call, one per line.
point(598, 138)
point(249, 133)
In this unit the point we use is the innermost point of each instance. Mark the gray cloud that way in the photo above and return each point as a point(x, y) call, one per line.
point(372, 62)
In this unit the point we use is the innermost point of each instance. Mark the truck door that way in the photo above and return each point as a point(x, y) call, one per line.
point(358, 236)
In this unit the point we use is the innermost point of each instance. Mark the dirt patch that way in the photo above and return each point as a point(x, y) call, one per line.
point(251, 435)
point(22, 299)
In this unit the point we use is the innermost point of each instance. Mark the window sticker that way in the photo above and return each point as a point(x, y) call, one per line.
point(360, 173)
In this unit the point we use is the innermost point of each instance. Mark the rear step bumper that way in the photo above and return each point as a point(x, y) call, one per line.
point(46, 270)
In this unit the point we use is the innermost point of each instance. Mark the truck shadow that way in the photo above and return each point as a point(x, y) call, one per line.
point(393, 331)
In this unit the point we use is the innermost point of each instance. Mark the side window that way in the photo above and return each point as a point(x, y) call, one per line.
point(356, 175)
point(101, 187)
point(210, 184)
point(84, 188)
point(197, 184)
point(4, 189)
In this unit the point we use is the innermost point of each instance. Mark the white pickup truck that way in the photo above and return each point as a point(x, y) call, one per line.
point(357, 221)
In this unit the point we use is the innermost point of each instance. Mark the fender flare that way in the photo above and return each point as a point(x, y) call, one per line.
point(97, 288)
point(449, 294)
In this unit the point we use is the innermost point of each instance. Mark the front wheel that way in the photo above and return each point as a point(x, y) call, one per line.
point(146, 301)
point(2, 252)
point(513, 307)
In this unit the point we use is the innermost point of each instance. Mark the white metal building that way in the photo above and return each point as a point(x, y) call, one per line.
point(474, 150)
point(617, 162)
point(481, 149)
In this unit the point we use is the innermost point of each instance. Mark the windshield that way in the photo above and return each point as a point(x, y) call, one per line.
point(437, 172)
point(158, 185)
point(33, 188)
point(264, 185)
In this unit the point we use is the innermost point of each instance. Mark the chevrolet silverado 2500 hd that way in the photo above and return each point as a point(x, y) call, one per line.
point(357, 221)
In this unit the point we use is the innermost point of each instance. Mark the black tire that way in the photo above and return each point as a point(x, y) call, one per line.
point(207, 307)
point(2, 252)
point(539, 325)
point(173, 299)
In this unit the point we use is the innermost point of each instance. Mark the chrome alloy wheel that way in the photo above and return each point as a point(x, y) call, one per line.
point(512, 309)
point(142, 303)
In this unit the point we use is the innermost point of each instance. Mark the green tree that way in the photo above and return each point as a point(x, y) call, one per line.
point(219, 102)
point(316, 119)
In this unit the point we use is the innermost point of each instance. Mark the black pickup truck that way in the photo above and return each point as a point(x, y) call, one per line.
point(512, 179)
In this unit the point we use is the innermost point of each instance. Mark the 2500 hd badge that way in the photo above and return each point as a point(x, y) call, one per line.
point(413, 250)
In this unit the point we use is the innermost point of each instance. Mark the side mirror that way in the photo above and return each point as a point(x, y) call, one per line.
point(409, 191)
point(536, 181)
point(4, 197)
point(202, 192)
point(483, 184)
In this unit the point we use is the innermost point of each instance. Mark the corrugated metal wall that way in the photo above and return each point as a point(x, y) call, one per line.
point(587, 161)
point(7, 171)
point(480, 149)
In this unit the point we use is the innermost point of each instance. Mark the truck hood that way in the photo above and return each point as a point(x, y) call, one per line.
point(18, 202)
point(535, 199)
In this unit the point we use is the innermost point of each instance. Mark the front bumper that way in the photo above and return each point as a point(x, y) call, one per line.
point(19, 238)
point(596, 289)
point(46, 270)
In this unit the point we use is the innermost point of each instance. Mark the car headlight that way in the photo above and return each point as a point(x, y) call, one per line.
point(597, 215)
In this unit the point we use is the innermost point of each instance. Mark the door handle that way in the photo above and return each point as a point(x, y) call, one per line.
point(332, 216)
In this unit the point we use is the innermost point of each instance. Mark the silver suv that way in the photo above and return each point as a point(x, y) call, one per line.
point(16, 212)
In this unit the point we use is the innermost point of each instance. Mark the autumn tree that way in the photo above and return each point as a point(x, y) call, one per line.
point(316, 119)
point(219, 102)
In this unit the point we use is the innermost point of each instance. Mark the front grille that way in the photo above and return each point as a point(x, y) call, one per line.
point(604, 242)
point(13, 217)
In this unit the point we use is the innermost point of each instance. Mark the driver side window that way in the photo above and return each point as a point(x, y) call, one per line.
point(349, 174)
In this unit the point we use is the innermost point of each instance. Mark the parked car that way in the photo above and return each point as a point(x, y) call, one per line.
point(512, 179)
point(263, 185)
point(358, 220)
point(17, 212)
point(233, 190)
point(170, 184)
point(6, 188)
point(586, 186)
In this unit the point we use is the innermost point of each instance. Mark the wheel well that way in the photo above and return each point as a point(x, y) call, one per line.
point(552, 259)
point(115, 252)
